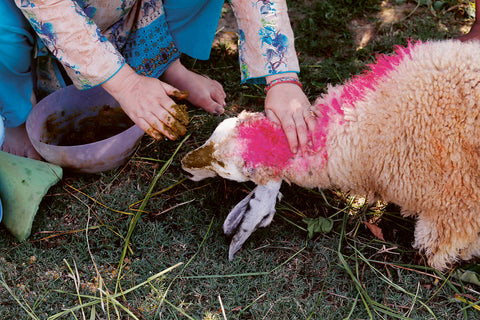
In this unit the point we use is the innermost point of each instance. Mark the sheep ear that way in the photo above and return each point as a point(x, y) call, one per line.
point(253, 212)
point(236, 215)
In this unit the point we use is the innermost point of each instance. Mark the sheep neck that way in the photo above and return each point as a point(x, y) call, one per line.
point(264, 144)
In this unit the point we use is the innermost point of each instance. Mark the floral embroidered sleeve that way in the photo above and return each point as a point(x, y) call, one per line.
point(75, 40)
point(266, 41)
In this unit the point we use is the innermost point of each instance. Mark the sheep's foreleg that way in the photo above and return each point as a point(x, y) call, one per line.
point(253, 212)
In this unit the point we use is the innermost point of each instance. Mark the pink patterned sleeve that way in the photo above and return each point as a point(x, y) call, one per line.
point(74, 39)
point(266, 40)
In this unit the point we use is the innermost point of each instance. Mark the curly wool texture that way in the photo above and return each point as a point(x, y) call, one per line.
point(263, 143)
point(414, 140)
point(406, 132)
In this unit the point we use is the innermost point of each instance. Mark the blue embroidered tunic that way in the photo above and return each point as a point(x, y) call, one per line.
point(94, 38)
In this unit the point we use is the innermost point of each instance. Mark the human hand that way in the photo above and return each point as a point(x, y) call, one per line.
point(146, 101)
point(204, 92)
point(287, 105)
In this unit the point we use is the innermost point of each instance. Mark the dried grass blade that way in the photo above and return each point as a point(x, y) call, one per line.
point(98, 202)
point(25, 307)
point(137, 216)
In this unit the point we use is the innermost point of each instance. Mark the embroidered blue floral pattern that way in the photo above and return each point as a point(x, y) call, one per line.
point(275, 42)
point(149, 5)
point(46, 29)
point(243, 63)
point(95, 41)
point(26, 3)
point(266, 6)
point(99, 36)
point(277, 47)
point(265, 39)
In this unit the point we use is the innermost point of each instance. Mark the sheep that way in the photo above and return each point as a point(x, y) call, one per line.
point(406, 131)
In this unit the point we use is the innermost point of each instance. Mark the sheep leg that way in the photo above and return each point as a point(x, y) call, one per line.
point(473, 250)
point(446, 236)
point(253, 212)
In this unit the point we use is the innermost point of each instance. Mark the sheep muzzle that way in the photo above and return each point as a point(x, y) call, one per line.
point(199, 158)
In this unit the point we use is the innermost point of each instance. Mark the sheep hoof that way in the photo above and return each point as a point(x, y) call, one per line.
point(253, 212)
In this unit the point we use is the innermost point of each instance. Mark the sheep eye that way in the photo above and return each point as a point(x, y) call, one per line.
point(250, 171)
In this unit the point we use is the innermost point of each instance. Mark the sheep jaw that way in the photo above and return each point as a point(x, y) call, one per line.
point(217, 156)
point(255, 211)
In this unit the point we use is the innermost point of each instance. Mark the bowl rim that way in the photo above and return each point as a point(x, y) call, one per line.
point(83, 157)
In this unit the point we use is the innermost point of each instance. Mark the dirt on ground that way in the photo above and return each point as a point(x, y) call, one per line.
point(364, 30)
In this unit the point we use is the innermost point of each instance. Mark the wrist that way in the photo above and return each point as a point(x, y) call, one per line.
point(120, 81)
point(282, 80)
point(272, 77)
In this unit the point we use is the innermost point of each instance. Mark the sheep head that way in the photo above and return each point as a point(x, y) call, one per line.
point(237, 151)
point(217, 156)
point(248, 147)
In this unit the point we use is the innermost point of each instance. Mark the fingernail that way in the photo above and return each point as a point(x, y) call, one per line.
point(181, 95)
point(173, 135)
point(178, 128)
point(154, 134)
point(219, 110)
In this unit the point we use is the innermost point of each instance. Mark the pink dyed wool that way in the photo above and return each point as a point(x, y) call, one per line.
point(356, 89)
point(358, 86)
point(264, 144)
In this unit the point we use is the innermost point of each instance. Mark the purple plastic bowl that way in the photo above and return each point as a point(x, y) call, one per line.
point(74, 104)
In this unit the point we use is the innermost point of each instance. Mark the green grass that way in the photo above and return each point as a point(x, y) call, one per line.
point(103, 245)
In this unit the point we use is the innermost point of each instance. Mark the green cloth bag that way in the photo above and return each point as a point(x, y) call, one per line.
point(23, 184)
